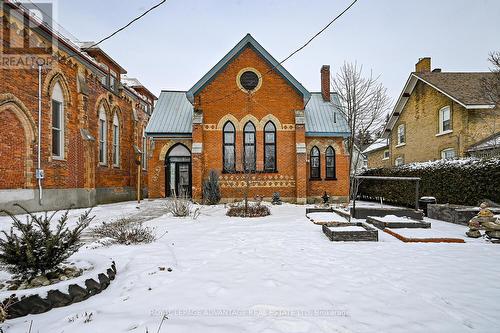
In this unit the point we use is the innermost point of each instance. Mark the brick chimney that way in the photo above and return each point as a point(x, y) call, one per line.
point(423, 65)
point(325, 82)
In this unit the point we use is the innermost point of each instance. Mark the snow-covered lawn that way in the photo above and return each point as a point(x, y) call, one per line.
point(281, 274)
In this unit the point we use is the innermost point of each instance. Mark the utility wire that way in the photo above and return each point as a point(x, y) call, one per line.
point(289, 56)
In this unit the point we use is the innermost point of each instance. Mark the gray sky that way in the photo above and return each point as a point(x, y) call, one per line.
point(173, 46)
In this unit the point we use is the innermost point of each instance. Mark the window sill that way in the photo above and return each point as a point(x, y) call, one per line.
point(385, 158)
point(334, 178)
point(444, 133)
point(314, 179)
point(58, 158)
point(401, 144)
point(251, 172)
point(104, 165)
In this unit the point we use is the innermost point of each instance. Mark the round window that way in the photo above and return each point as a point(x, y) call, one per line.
point(249, 80)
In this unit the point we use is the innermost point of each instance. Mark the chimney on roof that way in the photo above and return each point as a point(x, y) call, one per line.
point(423, 65)
point(325, 82)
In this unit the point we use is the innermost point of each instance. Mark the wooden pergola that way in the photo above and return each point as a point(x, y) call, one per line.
point(358, 180)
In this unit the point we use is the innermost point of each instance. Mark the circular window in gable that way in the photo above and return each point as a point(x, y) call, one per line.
point(249, 80)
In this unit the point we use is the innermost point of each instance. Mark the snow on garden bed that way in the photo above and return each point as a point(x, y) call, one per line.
point(394, 218)
point(347, 228)
point(281, 274)
point(326, 217)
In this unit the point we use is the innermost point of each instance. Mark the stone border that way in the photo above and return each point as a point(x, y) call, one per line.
point(34, 304)
point(364, 212)
point(371, 234)
point(383, 224)
point(422, 240)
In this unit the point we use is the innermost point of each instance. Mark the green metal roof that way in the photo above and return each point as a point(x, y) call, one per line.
point(247, 41)
point(172, 115)
point(323, 118)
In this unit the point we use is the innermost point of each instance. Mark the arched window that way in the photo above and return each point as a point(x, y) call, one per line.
point(314, 163)
point(144, 157)
point(57, 122)
point(249, 143)
point(229, 154)
point(116, 141)
point(102, 136)
point(270, 147)
point(330, 163)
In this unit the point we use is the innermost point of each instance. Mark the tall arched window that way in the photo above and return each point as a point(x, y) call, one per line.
point(270, 147)
point(57, 121)
point(330, 163)
point(102, 135)
point(314, 163)
point(249, 143)
point(144, 157)
point(229, 153)
point(116, 141)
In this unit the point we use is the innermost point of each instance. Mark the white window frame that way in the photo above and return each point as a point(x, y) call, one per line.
point(399, 161)
point(102, 135)
point(144, 159)
point(401, 130)
point(444, 151)
point(116, 141)
point(386, 156)
point(57, 96)
point(441, 120)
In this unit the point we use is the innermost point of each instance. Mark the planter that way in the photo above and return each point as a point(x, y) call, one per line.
point(384, 223)
point(345, 233)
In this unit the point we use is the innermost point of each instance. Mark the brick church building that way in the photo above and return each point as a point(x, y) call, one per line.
point(85, 147)
point(251, 121)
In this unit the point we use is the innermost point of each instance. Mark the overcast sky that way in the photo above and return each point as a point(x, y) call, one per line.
point(173, 46)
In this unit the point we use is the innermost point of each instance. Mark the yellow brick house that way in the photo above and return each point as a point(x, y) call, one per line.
point(439, 115)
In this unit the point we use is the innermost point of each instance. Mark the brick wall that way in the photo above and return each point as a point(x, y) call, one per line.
point(376, 159)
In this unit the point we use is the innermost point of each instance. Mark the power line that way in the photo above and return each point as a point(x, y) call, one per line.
point(291, 54)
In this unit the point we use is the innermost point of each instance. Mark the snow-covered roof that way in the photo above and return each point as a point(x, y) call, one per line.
point(376, 145)
point(490, 142)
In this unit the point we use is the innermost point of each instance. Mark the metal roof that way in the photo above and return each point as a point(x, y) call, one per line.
point(323, 118)
point(173, 114)
point(247, 41)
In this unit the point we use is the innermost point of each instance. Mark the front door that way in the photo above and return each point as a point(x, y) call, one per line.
point(183, 179)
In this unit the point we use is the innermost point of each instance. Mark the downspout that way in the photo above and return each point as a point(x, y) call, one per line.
point(39, 172)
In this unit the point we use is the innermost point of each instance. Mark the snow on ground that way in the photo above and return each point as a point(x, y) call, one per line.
point(326, 217)
point(282, 274)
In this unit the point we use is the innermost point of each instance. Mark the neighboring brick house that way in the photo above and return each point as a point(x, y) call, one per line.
point(439, 115)
point(378, 154)
point(249, 117)
point(92, 125)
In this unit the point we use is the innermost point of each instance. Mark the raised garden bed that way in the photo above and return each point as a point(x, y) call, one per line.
point(327, 217)
point(420, 239)
point(364, 212)
point(39, 303)
point(351, 232)
point(455, 213)
point(393, 221)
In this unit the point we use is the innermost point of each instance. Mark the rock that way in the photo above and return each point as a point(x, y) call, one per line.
point(58, 299)
point(17, 309)
point(2, 285)
point(52, 275)
point(111, 274)
point(24, 285)
point(39, 281)
point(104, 280)
point(113, 267)
point(63, 277)
point(161, 268)
point(13, 286)
point(491, 226)
point(473, 233)
point(169, 269)
point(52, 281)
point(93, 287)
point(493, 234)
point(77, 293)
point(36, 304)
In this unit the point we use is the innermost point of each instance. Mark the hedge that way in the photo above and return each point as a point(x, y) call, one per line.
point(461, 181)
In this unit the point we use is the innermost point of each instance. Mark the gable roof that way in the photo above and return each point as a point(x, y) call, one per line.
point(463, 88)
point(323, 118)
point(172, 115)
point(247, 41)
point(376, 145)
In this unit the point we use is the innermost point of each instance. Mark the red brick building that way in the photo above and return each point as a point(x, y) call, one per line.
point(249, 118)
point(91, 129)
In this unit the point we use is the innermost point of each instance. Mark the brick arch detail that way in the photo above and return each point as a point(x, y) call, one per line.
point(54, 76)
point(246, 119)
point(169, 144)
point(103, 100)
point(116, 109)
point(271, 117)
point(322, 145)
point(225, 119)
point(12, 103)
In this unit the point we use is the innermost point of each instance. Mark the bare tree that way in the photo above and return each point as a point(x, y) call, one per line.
point(364, 103)
point(491, 86)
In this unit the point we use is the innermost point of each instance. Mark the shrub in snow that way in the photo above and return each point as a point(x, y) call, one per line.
point(124, 231)
point(249, 210)
point(179, 207)
point(211, 189)
point(461, 181)
point(32, 247)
